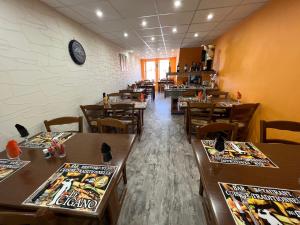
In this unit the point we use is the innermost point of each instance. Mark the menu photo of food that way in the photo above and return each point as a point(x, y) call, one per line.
point(74, 186)
point(241, 153)
point(44, 139)
point(8, 167)
point(254, 205)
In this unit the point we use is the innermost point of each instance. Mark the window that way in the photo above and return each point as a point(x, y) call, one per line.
point(163, 68)
point(150, 70)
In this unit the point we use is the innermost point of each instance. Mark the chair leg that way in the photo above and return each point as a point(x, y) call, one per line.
point(124, 174)
point(201, 188)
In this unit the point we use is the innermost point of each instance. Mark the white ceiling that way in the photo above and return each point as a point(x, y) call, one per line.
point(121, 16)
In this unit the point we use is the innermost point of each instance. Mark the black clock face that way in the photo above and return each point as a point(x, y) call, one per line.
point(77, 52)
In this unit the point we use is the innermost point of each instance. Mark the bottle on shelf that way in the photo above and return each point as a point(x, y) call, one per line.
point(185, 68)
point(178, 68)
point(169, 67)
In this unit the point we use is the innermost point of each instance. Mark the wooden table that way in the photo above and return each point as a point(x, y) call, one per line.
point(286, 177)
point(175, 93)
point(81, 148)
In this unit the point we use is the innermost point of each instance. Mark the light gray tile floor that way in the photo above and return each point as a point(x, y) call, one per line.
point(163, 178)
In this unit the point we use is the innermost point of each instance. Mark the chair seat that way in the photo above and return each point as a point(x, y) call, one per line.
point(198, 122)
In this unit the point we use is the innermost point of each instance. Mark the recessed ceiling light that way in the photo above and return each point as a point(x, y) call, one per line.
point(152, 38)
point(99, 13)
point(144, 23)
point(172, 50)
point(125, 34)
point(196, 35)
point(177, 3)
point(174, 30)
point(210, 16)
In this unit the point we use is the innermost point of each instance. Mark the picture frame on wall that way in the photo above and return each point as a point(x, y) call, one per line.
point(123, 62)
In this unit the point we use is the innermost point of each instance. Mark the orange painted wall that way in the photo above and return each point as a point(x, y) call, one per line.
point(261, 58)
point(187, 56)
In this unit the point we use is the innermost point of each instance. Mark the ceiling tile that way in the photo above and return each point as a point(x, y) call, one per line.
point(210, 4)
point(180, 29)
point(149, 32)
point(226, 25)
point(200, 35)
point(167, 6)
point(200, 27)
point(88, 9)
point(244, 11)
point(133, 8)
point(219, 14)
point(191, 45)
point(174, 36)
point(152, 22)
point(176, 19)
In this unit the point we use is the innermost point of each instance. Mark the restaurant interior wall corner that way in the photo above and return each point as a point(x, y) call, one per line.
point(260, 58)
point(38, 79)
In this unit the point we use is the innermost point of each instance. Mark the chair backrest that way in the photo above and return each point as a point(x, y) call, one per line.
point(42, 216)
point(278, 125)
point(189, 93)
point(107, 125)
point(200, 110)
point(209, 131)
point(243, 113)
point(92, 113)
point(63, 121)
point(123, 111)
point(219, 94)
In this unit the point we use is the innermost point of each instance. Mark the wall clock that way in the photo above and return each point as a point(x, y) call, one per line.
point(77, 52)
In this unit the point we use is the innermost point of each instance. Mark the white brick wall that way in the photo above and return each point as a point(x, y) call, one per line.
point(38, 79)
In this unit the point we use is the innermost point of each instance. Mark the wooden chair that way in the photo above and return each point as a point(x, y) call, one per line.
point(106, 125)
point(209, 131)
point(198, 115)
point(62, 121)
point(42, 216)
point(92, 113)
point(126, 113)
point(242, 115)
point(279, 125)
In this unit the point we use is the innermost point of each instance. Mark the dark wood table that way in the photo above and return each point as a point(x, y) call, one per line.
point(81, 148)
point(286, 177)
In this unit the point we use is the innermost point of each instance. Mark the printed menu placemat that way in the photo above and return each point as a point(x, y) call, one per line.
point(44, 139)
point(74, 186)
point(8, 167)
point(241, 153)
point(254, 205)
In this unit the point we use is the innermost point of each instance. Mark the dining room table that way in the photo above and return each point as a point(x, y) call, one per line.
point(82, 148)
point(286, 176)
